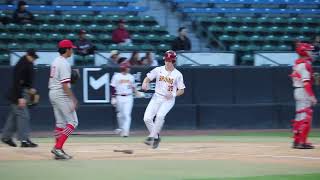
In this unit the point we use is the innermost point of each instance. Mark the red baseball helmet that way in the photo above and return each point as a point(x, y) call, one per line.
point(302, 48)
point(170, 56)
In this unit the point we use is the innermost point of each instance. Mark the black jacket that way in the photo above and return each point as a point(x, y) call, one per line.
point(23, 74)
point(179, 44)
point(22, 16)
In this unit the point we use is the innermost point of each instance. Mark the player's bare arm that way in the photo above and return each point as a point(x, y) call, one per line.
point(145, 84)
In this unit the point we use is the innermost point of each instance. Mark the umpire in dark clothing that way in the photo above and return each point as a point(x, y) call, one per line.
point(182, 42)
point(19, 118)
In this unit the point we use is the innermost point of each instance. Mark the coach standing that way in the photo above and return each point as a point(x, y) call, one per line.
point(19, 118)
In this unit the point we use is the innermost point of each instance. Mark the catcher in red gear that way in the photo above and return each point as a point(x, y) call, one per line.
point(302, 78)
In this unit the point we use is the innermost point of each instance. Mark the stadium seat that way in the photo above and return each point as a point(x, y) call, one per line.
point(101, 47)
point(71, 36)
point(272, 39)
point(241, 38)
point(22, 37)
point(132, 20)
point(100, 19)
point(148, 20)
point(226, 38)
point(138, 39)
point(53, 19)
point(47, 28)
point(31, 45)
point(252, 47)
point(49, 46)
point(15, 46)
point(85, 19)
point(147, 47)
point(236, 47)
point(231, 29)
point(284, 48)
point(286, 39)
point(69, 19)
point(105, 38)
point(4, 59)
point(163, 48)
point(3, 47)
point(249, 21)
point(268, 47)
point(54, 37)
point(113, 47)
point(168, 38)
point(39, 37)
point(30, 28)
point(159, 30)
point(260, 30)
point(13, 27)
point(5, 37)
point(246, 29)
point(153, 38)
point(95, 28)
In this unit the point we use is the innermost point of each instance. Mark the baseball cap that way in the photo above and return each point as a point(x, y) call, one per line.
point(32, 53)
point(114, 52)
point(66, 43)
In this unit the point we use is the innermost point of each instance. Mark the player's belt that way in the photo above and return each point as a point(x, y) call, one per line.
point(124, 94)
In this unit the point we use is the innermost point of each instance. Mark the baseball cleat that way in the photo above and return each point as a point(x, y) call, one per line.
point(156, 143)
point(28, 143)
point(9, 142)
point(303, 146)
point(59, 154)
point(149, 141)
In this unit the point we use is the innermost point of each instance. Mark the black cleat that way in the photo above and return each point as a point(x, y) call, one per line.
point(28, 143)
point(60, 154)
point(149, 141)
point(156, 143)
point(295, 145)
point(303, 146)
point(9, 142)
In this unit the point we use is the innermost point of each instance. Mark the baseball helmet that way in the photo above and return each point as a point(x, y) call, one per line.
point(170, 56)
point(124, 65)
point(302, 48)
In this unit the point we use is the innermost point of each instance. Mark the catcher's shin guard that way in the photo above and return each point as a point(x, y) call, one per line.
point(303, 127)
point(296, 132)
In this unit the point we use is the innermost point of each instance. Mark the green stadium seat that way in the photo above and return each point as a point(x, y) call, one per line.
point(249, 20)
point(142, 29)
point(113, 47)
point(138, 39)
point(246, 29)
point(272, 39)
point(5, 37)
point(215, 29)
point(101, 47)
point(69, 19)
point(148, 20)
point(286, 39)
point(3, 47)
point(159, 30)
point(252, 47)
point(234, 20)
point(226, 38)
point(105, 38)
point(114, 18)
point(241, 38)
point(71, 36)
point(147, 47)
point(264, 21)
point(83, 60)
point(236, 47)
point(77, 27)
point(100, 19)
point(132, 20)
point(163, 48)
point(109, 27)
point(15, 46)
point(55, 37)
point(85, 19)
point(275, 30)
point(92, 38)
point(62, 28)
point(47, 28)
point(153, 38)
point(284, 48)
point(317, 30)
point(30, 28)
point(219, 20)
point(40, 18)
point(303, 38)
point(268, 47)
point(13, 27)
point(256, 39)
point(231, 29)
point(39, 37)
point(4, 59)
point(22, 37)
point(53, 19)
point(295, 21)
point(96, 28)
point(247, 59)
point(130, 47)
point(306, 30)
point(291, 30)
point(31, 45)
point(48, 46)
point(279, 21)
point(260, 30)
point(167, 38)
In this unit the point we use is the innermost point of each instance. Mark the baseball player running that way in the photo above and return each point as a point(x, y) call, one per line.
point(62, 98)
point(122, 88)
point(304, 96)
point(169, 85)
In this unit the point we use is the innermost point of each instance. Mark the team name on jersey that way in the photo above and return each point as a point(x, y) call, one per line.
point(166, 79)
point(124, 81)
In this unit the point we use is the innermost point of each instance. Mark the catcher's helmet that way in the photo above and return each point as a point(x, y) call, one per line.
point(302, 48)
point(170, 56)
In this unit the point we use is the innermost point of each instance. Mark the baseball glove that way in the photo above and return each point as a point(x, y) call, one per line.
point(75, 76)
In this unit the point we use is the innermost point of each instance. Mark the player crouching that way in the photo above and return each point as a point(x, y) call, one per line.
point(304, 96)
point(169, 84)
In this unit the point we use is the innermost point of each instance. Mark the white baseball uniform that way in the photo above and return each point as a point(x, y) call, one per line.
point(60, 72)
point(166, 83)
point(124, 85)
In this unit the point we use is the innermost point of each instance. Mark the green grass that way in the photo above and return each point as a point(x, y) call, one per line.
point(273, 177)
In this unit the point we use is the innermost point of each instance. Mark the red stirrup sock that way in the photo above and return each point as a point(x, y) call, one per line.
point(57, 133)
point(64, 136)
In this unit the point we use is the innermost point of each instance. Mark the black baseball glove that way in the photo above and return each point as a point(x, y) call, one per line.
point(75, 76)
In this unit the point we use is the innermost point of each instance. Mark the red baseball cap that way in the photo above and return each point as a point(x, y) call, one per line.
point(66, 43)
